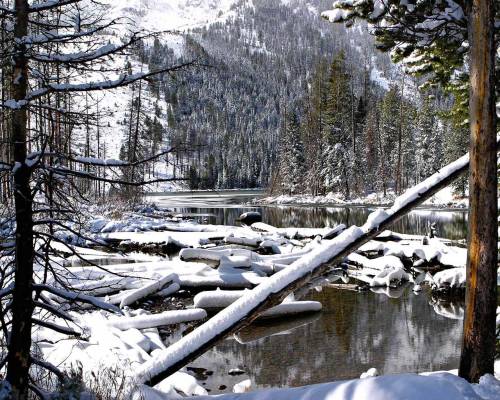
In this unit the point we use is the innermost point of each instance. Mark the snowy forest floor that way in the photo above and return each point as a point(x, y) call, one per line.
point(443, 199)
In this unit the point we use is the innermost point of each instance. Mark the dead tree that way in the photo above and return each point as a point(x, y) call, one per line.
point(479, 336)
point(57, 49)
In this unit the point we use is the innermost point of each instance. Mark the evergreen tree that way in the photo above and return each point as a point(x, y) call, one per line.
point(292, 160)
point(338, 149)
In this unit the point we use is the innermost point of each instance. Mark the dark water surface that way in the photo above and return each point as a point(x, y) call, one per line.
point(354, 332)
point(394, 331)
point(224, 209)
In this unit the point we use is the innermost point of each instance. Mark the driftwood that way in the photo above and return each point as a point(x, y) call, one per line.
point(172, 359)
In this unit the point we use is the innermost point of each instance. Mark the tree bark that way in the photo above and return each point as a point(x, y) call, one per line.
point(478, 346)
point(18, 357)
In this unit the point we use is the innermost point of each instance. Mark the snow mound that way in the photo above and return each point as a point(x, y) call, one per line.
point(438, 386)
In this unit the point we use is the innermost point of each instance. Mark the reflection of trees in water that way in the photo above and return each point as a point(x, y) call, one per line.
point(451, 225)
point(355, 331)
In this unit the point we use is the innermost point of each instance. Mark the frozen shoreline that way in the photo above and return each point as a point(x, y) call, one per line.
point(444, 199)
point(230, 257)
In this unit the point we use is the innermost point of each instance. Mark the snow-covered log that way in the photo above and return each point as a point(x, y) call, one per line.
point(156, 320)
point(216, 300)
point(299, 233)
point(245, 241)
point(77, 297)
point(291, 308)
point(449, 279)
point(389, 275)
point(147, 290)
point(274, 289)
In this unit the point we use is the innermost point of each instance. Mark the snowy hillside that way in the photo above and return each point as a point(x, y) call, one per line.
point(241, 39)
point(162, 15)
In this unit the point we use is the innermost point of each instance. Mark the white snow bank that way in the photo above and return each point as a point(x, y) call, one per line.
point(438, 386)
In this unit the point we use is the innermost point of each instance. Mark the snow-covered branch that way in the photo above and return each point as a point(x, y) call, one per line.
point(121, 81)
point(50, 5)
point(77, 297)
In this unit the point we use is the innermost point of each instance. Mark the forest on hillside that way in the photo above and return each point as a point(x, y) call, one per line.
point(303, 107)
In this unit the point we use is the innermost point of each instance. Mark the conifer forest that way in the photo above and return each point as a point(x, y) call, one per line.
point(249, 199)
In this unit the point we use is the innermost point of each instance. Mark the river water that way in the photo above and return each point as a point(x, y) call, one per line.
point(393, 331)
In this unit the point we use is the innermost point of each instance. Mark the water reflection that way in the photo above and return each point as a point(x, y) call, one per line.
point(453, 309)
point(354, 332)
point(449, 224)
point(398, 331)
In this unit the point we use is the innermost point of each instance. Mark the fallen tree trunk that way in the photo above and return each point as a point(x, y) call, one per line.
point(274, 290)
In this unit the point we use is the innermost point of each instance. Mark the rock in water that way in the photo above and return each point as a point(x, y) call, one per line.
point(250, 217)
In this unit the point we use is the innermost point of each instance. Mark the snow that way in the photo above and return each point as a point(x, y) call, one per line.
point(182, 382)
point(453, 278)
point(291, 308)
point(443, 198)
point(436, 386)
point(388, 275)
point(370, 373)
point(156, 320)
point(219, 299)
point(172, 15)
point(298, 233)
point(227, 317)
point(243, 386)
point(146, 290)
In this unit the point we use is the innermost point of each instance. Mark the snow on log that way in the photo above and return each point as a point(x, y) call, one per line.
point(156, 320)
point(217, 255)
point(77, 297)
point(174, 287)
point(274, 289)
point(387, 276)
point(291, 308)
point(377, 264)
point(147, 290)
point(244, 241)
point(300, 233)
point(218, 299)
point(453, 278)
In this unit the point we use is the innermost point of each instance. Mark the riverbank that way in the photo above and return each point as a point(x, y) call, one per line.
point(145, 293)
point(443, 199)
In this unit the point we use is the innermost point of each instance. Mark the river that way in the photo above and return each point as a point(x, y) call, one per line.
point(393, 331)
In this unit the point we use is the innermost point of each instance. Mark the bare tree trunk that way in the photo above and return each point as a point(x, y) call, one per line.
point(478, 346)
point(22, 304)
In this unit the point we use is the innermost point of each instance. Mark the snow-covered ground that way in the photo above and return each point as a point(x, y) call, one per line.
point(215, 256)
point(444, 198)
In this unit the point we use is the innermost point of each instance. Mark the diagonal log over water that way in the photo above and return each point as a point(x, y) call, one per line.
point(274, 290)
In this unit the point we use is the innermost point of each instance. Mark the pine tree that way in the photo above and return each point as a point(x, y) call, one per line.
point(437, 39)
point(338, 149)
point(292, 161)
